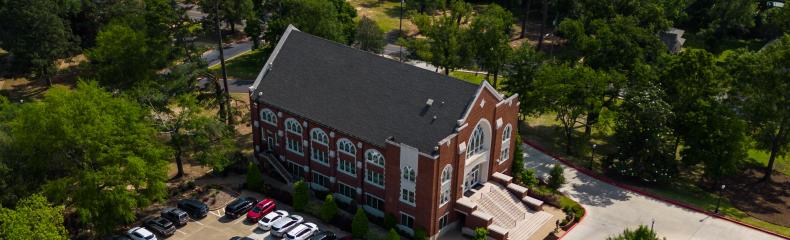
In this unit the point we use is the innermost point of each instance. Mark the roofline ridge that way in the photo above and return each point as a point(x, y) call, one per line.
point(267, 66)
point(484, 85)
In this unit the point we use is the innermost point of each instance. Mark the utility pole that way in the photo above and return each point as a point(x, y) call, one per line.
point(400, 29)
point(226, 99)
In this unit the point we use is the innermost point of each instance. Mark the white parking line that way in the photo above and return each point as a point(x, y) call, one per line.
point(182, 232)
point(198, 222)
point(216, 214)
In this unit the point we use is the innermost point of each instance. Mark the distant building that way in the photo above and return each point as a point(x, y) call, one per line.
point(674, 40)
point(390, 137)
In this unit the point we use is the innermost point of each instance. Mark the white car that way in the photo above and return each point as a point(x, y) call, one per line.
point(302, 232)
point(268, 220)
point(282, 226)
point(140, 233)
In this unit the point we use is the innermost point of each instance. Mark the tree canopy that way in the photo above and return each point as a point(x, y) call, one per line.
point(369, 36)
point(330, 19)
point(33, 218)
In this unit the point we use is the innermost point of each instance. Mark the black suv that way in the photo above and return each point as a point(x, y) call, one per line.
point(175, 215)
point(161, 226)
point(323, 235)
point(239, 207)
point(196, 209)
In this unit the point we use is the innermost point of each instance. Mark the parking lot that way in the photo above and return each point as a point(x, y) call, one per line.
point(215, 226)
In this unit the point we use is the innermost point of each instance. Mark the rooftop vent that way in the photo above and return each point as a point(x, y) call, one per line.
point(429, 102)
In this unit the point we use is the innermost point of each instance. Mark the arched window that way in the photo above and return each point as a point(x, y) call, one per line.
point(318, 135)
point(374, 157)
point(504, 154)
point(475, 142)
point(268, 116)
point(446, 184)
point(409, 174)
point(292, 126)
point(345, 146)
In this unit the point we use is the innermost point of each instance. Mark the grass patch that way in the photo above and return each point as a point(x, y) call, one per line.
point(760, 159)
point(385, 13)
point(696, 41)
point(246, 66)
point(469, 77)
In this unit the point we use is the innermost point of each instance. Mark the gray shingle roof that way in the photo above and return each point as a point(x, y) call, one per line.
point(362, 94)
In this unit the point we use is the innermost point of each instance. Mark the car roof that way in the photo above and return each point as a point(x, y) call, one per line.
point(281, 222)
point(192, 202)
point(143, 231)
point(265, 202)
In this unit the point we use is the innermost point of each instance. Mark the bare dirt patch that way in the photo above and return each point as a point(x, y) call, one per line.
point(767, 201)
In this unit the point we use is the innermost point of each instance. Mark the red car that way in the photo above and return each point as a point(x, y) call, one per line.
point(262, 208)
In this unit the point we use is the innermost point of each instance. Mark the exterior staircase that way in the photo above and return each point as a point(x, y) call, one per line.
point(277, 165)
point(508, 212)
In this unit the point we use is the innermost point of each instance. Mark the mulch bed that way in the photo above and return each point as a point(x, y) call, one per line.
point(769, 202)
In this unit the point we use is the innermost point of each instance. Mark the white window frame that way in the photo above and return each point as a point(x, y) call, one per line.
point(370, 178)
point(408, 174)
point(342, 164)
point(294, 146)
point(445, 185)
point(504, 153)
point(346, 146)
point(400, 222)
point(319, 136)
point(353, 190)
point(408, 196)
point(476, 141)
point(293, 126)
point(375, 157)
point(317, 175)
point(320, 156)
point(268, 116)
point(381, 201)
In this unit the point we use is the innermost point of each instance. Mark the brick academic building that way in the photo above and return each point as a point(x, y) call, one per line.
point(393, 138)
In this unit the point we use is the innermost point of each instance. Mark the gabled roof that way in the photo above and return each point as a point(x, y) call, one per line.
point(361, 94)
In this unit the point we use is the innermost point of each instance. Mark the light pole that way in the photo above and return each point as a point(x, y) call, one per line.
point(652, 223)
point(592, 156)
point(400, 30)
point(718, 202)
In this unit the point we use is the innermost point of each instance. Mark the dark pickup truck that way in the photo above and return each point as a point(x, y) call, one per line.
point(161, 226)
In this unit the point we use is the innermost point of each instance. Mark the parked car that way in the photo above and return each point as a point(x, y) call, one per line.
point(302, 232)
point(175, 215)
point(160, 226)
point(282, 226)
point(262, 208)
point(239, 206)
point(196, 209)
point(323, 235)
point(140, 233)
point(269, 219)
point(241, 238)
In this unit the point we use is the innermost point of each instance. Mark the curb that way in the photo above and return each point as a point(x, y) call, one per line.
point(574, 225)
point(639, 191)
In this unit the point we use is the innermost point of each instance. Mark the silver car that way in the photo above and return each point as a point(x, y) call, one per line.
point(283, 225)
point(302, 232)
point(269, 219)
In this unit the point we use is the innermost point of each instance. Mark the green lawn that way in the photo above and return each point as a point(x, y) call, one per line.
point(246, 66)
point(385, 12)
point(760, 159)
point(469, 77)
point(696, 41)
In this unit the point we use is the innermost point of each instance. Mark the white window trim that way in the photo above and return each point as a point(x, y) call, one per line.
point(318, 130)
point(400, 197)
point(292, 150)
point(341, 150)
point(339, 169)
point(407, 170)
point(404, 227)
point(373, 151)
point(370, 209)
point(314, 159)
point(354, 192)
point(439, 221)
point(274, 116)
point(287, 129)
point(446, 185)
point(367, 171)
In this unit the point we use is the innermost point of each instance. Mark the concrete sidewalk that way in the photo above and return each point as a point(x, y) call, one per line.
point(611, 209)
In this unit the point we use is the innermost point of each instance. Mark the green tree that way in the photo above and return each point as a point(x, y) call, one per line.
point(345, 16)
point(480, 234)
point(420, 234)
point(520, 77)
point(518, 157)
point(231, 11)
point(528, 177)
point(641, 233)
point(122, 56)
point(254, 178)
point(33, 218)
point(359, 224)
point(729, 18)
point(37, 34)
point(717, 141)
point(393, 235)
point(89, 150)
point(301, 196)
point(318, 17)
point(490, 35)
point(369, 36)
point(556, 177)
point(763, 92)
point(778, 21)
point(643, 136)
point(253, 30)
point(443, 43)
point(329, 209)
point(425, 6)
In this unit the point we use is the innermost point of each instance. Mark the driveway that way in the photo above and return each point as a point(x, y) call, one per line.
point(611, 209)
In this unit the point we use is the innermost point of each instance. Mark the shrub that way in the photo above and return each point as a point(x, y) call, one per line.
point(480, 234)
point(420, 234)
point(641, 233)
point(393, 235)
point(528, 178)
point(301, 196)
point(518, 159)
point(389, 221)
point(359, 225)
point(556, 177)
point(254, 178)
point(329, 209)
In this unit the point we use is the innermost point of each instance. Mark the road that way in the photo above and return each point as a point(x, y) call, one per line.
point(611, 209)
point(231, 51)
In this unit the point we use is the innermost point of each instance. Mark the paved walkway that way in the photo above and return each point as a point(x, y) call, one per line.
point(611, 209)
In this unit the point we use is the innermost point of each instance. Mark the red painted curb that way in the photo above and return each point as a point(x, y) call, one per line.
point(574, 225)
point(641, 192)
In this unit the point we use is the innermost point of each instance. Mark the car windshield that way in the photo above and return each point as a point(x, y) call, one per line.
point(256, 209)
point(150, 236)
